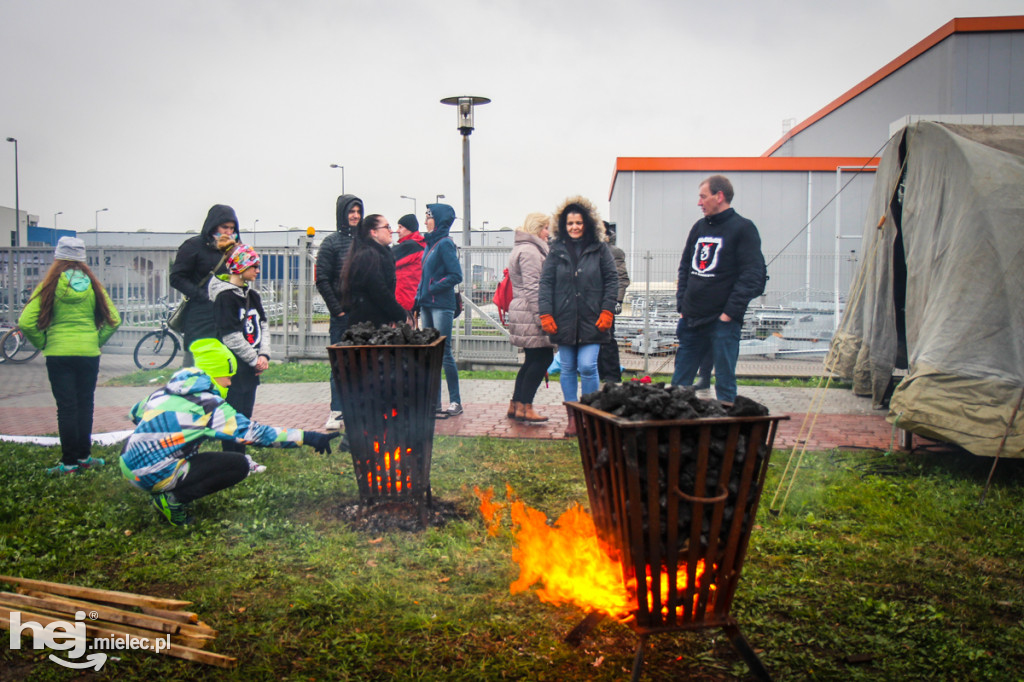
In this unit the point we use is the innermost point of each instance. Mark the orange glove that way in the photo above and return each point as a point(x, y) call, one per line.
point(604, 323)
point(547, 323)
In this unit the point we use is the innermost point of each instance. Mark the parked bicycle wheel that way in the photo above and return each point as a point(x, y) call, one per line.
point(16, 348)
point(156, 350)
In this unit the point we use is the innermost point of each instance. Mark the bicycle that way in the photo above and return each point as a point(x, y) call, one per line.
point(15, 347)
point(158, 349)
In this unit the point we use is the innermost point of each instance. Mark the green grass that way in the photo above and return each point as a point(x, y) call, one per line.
point(891, 558)
point(303, 372)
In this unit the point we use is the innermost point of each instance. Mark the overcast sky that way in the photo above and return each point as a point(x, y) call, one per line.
point(157, 110)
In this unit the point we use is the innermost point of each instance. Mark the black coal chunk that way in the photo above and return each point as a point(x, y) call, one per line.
point(653, 402)
point(369, 334)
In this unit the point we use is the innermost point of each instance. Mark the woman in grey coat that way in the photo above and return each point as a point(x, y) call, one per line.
point(524, 268)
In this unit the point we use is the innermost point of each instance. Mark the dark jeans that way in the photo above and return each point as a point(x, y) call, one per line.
point(441, 320)
point(723, 340)
point(209, 472)
point(73, 383)
point(609, 367)
point(242, 397)
point(339, 325)
point(532, 373)
point(704, 373)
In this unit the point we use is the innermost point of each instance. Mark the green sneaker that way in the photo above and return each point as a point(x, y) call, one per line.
point(90, 462)
point(175, 512)
point(63, 468)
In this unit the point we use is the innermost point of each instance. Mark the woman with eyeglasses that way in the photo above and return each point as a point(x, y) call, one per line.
point(368, 278)
point(241, 325)
point(435, 298)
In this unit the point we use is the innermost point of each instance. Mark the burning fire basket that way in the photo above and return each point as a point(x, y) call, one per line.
point(674, 503)
point(388, 395)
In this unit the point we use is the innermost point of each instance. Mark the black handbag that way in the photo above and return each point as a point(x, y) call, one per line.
point(176, 321)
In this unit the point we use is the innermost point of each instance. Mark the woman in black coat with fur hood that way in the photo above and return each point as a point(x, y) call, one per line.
point(578, 289)
point(368, 278)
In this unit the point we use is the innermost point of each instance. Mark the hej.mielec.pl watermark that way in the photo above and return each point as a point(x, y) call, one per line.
point(69, 637)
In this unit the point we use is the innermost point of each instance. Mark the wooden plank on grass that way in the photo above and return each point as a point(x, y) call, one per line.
point(91, 593)
point(116, 615)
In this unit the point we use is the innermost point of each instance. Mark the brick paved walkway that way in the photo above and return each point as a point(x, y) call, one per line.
point(27, 408)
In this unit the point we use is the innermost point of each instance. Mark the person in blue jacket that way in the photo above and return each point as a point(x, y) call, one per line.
point(435, 298)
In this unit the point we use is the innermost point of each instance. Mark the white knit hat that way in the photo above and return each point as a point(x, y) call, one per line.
point(70, 248)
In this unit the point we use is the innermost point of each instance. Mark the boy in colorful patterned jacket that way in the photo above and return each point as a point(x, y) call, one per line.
point(162, 456)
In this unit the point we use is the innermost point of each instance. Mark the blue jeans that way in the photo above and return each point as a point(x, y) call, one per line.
point(441, 320)
point(581, 359)
point(339, 325)
point(723, 340)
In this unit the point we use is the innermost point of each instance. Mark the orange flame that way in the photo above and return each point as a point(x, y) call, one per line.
point(570, 561)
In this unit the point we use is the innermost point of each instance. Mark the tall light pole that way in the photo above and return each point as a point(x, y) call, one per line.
point(55, 222)
point(254, 231)
point(464, 108)
point(17, 196)
point(97, 224)
point(437, 200)
point(483, 226)
point(334, 165)
point(413, 202)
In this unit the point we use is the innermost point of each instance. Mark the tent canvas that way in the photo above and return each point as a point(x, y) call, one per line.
point(940, 291)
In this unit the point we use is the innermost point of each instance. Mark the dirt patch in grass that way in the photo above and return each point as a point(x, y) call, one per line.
point(383, 517)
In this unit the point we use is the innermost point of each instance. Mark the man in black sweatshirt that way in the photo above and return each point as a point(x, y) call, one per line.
point(721, 271)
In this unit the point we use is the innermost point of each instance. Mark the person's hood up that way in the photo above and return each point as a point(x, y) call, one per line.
point(218, 215)
point(345, 202)
point(587, 206)
point(190, 381)
point(444, 217)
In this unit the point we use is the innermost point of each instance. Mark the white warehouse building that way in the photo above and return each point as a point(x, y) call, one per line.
point(970, 70)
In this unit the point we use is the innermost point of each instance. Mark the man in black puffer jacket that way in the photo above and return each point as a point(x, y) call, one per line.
point(195, 259)
point(330, 260)
point(721, 271)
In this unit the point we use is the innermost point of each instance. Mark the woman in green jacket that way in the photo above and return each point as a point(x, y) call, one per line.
point(69, 317)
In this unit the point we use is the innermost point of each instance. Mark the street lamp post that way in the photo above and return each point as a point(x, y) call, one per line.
point(17, 196)
point(254, 231)
point(97, 224)
point(464, 108)
point(438, 198)
point(413, 203)
point(55, 221)
point(483, 226)
point(334, 165)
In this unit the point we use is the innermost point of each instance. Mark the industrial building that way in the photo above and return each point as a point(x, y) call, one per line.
point(970, 70)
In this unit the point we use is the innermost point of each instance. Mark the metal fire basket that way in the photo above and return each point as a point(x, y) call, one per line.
point(388, 395)
point(674, 502)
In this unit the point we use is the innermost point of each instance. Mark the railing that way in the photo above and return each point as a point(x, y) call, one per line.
point(137, 278)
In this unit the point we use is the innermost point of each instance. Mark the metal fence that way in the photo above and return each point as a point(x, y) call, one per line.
point(788, 320)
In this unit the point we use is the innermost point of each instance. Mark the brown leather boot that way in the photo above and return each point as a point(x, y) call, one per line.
point(512, 407)
point(570, 430)
point(529, 415)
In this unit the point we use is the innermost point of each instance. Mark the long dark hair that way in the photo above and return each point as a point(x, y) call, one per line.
point(361, 241)
point(47, 293)
point(589, 224)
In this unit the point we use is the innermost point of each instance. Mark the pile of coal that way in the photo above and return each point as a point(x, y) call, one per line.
point(369, 334)
point(651, 402)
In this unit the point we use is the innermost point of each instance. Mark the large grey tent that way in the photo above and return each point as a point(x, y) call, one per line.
point(940, 291)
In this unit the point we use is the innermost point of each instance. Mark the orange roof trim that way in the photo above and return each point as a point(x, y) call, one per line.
point(960, 25)
point(724, 164)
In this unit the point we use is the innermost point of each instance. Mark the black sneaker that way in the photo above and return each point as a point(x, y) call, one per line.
point(454, 410)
